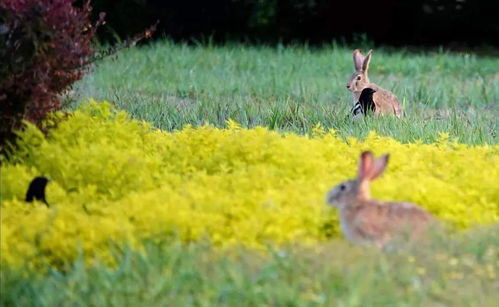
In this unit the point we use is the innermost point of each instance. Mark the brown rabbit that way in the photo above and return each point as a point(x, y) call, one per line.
point(368, 221)
point(386, 102)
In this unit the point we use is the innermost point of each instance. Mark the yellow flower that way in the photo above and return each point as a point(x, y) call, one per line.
point(117, 181)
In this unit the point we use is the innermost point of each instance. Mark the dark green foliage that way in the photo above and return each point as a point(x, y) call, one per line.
point(413, 22)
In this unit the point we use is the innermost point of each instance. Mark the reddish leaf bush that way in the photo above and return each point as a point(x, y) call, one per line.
point(45, 46)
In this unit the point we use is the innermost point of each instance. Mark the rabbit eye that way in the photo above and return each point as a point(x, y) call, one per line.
point(342, 187)
point(358, 77)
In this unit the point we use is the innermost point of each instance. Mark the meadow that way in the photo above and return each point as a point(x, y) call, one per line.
point(294, 88)
point(196, 176)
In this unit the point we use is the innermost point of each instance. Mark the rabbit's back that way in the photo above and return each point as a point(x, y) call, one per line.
point(386, 102)
point(378, 222)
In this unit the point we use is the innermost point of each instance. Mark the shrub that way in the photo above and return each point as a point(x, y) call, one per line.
point(117, 181)
point(45, 46)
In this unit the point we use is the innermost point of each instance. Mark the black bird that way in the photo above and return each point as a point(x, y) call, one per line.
point(36, 190)
point(365, 103)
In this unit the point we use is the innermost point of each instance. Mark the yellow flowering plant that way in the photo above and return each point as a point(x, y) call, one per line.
point(118, 181)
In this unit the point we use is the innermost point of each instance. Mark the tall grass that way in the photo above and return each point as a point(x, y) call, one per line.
point(294, 88)
point(463, 271)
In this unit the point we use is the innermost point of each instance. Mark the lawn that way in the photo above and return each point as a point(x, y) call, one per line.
point(205, 212)
point(294, 88)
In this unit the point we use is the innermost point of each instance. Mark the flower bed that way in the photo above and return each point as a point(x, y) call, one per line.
point(117, 181)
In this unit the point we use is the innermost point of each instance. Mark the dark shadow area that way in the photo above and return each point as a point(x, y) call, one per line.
point(450, 23)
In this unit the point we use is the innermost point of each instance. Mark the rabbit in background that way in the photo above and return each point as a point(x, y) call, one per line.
point(385, 101)
point(367, 221)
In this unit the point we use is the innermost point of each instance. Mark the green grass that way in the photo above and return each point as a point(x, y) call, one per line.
point(463, 271)
point(287, 89)
point(294, 88)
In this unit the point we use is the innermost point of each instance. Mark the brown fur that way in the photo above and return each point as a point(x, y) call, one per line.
point(386, 102)
point(368, 221)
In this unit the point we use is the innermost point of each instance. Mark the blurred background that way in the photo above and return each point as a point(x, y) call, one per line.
point(452, 23)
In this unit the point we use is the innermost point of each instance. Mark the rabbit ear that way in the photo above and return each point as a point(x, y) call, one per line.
point(365, 63)
point(365, 164)
point(378, 167)
point(358, 59)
